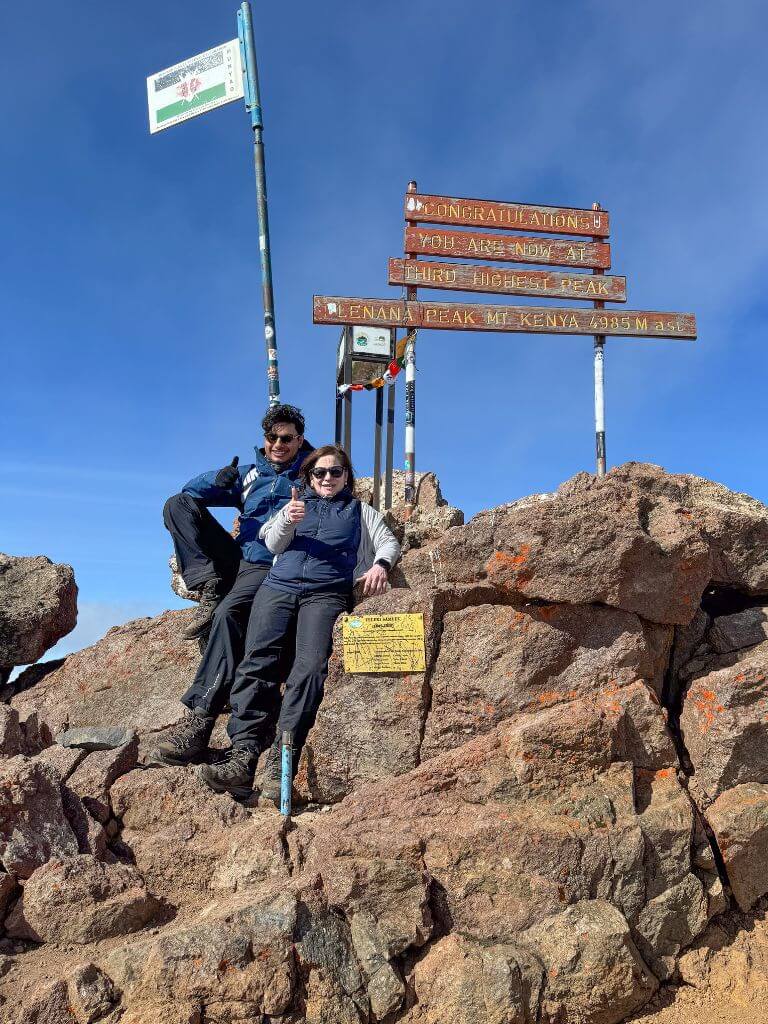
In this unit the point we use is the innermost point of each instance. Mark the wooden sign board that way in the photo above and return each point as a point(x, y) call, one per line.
point(482, 213)
point(503, 281)
point(461, 316)
point(383, 643)
point(511, 248)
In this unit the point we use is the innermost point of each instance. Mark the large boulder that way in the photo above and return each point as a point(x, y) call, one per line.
point(496, 661)
point(38, 606)
point(174, 828)
point(724, 722)
point(81, 900)
point(739, 819)
point(235, 958)
point(133, 677)
point(33, 823)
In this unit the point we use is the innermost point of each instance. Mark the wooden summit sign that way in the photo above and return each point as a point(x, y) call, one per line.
point(483, 245)
point(463, 277)
point(451, 229)
point(556, 220)
point(465, 316)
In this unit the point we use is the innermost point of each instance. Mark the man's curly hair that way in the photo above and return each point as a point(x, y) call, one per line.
point(283, 414)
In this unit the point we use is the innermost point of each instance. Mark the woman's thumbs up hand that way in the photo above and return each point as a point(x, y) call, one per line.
point(295, 508)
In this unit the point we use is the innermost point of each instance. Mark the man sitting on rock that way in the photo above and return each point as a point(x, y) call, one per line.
point(227, 571)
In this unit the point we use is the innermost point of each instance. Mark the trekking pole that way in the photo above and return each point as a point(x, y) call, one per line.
point(286, 778)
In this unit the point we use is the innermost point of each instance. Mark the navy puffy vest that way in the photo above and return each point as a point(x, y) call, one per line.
point(323, 552)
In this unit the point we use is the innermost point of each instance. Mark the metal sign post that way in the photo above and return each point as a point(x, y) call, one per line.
point(253, 105)
point(599, 384)
point(410, 390)
point(390, 442)
point(202, 83)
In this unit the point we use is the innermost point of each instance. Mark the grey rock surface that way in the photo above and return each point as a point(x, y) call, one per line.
point(38, 606)
point(96, 737)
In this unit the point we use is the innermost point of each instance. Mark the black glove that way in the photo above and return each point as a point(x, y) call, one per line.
point(227, 477)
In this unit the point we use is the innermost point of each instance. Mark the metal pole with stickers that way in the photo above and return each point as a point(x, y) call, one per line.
point(204, 82)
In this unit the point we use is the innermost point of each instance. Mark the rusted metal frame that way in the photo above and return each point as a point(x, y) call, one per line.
point(600, 458)
point(410, 392)
point(484, 245)
point(485, 213)
point(461, 316)
point(466, 277)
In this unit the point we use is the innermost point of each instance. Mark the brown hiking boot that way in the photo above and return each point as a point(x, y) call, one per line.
point(232, 773)
point(270, 781)
point(210, 598)
point(184, 743)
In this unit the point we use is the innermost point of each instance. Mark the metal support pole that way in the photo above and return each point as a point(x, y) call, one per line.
point(339, 416)
point(348, 394)
point(410, 399)
point(379, 417)
point(253, 105)
point(390, 449)
point(599, 405)
point(339, 405)
point(286, 776)
point(599, 384)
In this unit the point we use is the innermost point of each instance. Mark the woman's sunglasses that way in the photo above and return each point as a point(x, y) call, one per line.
point(319, 473)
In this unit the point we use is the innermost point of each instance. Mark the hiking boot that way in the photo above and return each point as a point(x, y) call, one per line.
point(185, 742)
point(210, 598)
point(232, 773)
point(272, 773)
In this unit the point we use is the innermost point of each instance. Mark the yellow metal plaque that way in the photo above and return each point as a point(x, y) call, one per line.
point(383, 643)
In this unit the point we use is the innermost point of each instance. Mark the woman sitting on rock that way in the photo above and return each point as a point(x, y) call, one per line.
point(325, 540)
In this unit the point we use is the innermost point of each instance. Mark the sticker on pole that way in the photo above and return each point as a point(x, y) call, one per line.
point(195, 86)
point(383, 643)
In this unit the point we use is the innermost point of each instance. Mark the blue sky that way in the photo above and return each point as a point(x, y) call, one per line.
point(132, 341)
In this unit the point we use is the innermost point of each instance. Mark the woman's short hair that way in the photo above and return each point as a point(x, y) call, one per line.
point(328, 449)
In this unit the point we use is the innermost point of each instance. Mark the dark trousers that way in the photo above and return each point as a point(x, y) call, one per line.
point(205, 550)
point(257, 682)
point(210, 689)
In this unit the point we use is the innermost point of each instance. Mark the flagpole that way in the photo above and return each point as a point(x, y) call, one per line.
point(253, 105)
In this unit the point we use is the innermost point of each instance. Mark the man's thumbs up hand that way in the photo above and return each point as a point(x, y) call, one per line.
point(295, 508)
point(227, 477)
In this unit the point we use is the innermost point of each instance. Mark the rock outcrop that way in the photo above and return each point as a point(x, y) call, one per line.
point(38, 606)
point(547, 825)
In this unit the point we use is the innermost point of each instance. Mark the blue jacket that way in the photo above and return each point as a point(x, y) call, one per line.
point(258, 492)
point(323, 553)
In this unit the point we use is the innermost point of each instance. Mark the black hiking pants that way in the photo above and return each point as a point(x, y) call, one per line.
point(256, 689)
point(204, 551)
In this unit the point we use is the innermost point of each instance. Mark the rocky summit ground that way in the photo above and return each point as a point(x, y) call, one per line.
point(564, 820)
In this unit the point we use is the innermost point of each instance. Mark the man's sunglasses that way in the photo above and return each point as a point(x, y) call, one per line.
point(319, 473)
point(285, 438)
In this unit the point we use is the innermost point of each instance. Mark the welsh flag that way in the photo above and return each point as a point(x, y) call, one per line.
point(190, 92)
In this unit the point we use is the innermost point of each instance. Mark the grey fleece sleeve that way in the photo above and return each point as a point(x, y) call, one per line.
point(277, 533)
point(377, 540)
